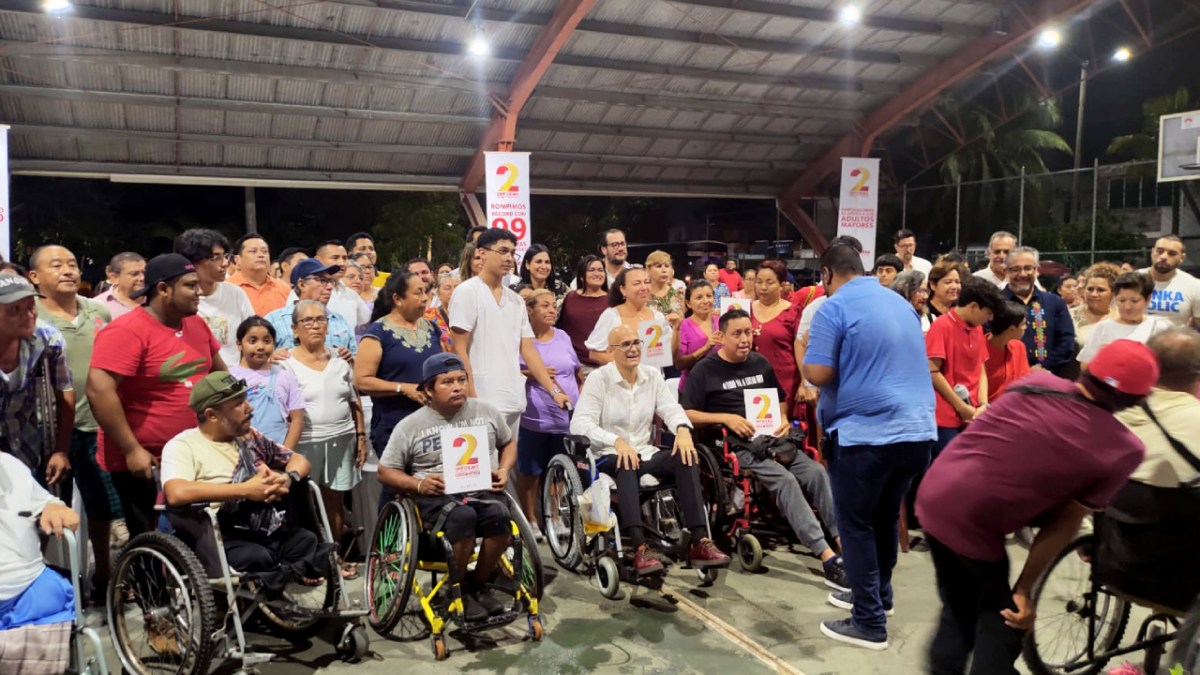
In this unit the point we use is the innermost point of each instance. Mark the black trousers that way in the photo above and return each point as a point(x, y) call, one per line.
point(137, 496)
point(973, 593)
point(663, 466)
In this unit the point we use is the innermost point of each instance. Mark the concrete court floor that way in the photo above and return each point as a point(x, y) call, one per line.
point(774, 614)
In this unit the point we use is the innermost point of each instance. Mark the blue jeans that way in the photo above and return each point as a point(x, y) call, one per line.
point(869, 483)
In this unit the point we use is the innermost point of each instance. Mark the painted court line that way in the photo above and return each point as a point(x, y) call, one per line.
point(732, 634)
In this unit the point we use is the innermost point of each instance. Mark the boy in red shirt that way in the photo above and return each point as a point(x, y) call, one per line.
point(1006, 361)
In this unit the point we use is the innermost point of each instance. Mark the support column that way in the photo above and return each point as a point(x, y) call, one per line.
point(251, 211)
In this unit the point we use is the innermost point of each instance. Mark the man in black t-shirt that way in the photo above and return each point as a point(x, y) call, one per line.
point(714, 396)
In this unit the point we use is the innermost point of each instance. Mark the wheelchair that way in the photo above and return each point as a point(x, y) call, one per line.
point(582, 547)
point(401, 606)
point(166, 614)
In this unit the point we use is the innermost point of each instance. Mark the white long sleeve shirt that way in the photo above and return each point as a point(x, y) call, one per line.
point(20, 549)
point(610, 408)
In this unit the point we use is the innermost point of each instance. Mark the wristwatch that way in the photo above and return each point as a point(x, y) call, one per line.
point(398, 388)
point(295, 476)
point(555, 391)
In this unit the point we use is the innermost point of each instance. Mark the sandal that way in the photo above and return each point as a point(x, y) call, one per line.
point(349, 571)
point(311, 582)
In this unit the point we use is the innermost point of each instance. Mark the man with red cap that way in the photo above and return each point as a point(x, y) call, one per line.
point(1021, 465)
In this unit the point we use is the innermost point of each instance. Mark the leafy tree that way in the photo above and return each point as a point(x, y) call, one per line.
point(417, 224)
point(1144, 143)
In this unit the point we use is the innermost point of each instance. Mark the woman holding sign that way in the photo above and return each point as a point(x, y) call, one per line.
point(628, 306)
point(775, 321)
point(698, 335)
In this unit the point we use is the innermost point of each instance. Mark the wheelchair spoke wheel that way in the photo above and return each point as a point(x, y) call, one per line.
point(713, 487)
point(661, 515)
point(1077, 620)
point(531, 574)
point(161, 612)
point(1186, 649)
point(563, 523)
point(297, 613)
point(391, 566)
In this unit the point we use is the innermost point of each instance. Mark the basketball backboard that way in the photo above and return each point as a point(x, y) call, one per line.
point(1179, 147)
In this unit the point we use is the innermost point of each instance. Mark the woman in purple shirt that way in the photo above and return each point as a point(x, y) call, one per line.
point(697, 336)
point(544, 424)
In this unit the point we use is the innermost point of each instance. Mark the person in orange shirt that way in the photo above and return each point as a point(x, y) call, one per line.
point(1006, 361)
point(253, 256)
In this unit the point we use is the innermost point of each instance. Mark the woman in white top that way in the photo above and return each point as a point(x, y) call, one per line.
point(628, 304)
point(334, 437)
point(1133, 291)
point(1097, 304)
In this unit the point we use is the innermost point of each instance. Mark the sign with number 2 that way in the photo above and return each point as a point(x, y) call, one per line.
point(507, 176)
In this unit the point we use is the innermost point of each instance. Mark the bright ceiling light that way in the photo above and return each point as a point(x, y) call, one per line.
point(850, 15)
point(56, 6)
point(1050, 38)
point(1122, 55)
point(478, 46)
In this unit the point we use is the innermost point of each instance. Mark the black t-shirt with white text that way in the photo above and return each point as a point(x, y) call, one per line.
point(715, 385)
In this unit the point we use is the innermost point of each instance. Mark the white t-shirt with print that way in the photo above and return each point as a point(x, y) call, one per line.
point(224, 311)
point(496, 333)
point(1177, 300)
point(327, 397)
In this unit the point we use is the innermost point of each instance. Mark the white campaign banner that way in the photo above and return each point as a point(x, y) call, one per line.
point(5, 223)
point(858, 208)
point(507, 176)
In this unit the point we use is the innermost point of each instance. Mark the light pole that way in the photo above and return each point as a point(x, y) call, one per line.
point(1083, 78)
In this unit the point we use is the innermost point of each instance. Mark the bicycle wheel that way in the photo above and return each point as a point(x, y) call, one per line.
point(1077, 619)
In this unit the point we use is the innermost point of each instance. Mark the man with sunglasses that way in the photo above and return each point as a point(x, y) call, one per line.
point(616, 412)
point(223, 305)
point(313, 280)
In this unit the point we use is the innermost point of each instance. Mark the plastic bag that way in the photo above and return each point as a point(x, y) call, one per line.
point(596, 505)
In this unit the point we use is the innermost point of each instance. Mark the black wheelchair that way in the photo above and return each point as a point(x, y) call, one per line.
point(168, 614)
point(596, 548)
point(400, 606)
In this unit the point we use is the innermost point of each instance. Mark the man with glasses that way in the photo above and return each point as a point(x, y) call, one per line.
point(906, 249)
point(312, 280)
point(616, 412)
point(1049, 332)
point(126, 274)
point(483, 307)
point(223, 306)
point(253, 255)
point(342, 300)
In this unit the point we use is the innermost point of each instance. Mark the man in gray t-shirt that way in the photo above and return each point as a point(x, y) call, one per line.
point(412, 464)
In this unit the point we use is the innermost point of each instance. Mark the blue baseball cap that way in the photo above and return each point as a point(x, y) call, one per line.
point(311, 266)
point(440, 364)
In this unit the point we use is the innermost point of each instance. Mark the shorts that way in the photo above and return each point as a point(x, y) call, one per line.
point(100, 499)
point(485, 514)
point(332, 461)
point(536, 449)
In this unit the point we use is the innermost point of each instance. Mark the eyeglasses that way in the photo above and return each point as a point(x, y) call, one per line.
point(629, 346)
point(313, 321)
point(501, 251)
point(327, 281)
point(218, 257)
point(617, 244)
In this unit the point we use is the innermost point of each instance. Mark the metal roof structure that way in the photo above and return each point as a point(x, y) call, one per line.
point(726, 98)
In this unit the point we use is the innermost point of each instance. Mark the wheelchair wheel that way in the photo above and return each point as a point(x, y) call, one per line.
point(161, 611)
point(712, 486)
point(661, 514)
point(307, 601)
point(749, 552)
point(391, 571)
point(1075, 617)
point(533, 575)
point(608, 577)
point(1186, 651)
point(563, 523)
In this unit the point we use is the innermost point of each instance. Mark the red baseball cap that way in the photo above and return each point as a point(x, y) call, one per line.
point(1127, 366)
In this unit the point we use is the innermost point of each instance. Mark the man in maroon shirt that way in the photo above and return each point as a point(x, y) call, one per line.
point(1017, 466)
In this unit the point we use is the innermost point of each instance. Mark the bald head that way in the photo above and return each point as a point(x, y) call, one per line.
point(1178, 354)
point(620, 334)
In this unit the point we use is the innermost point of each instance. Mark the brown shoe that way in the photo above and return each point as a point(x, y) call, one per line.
point(646, 561)
point(705, 553)
point(162, 640)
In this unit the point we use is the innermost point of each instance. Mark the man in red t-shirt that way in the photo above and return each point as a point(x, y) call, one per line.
point(730, 276)
point(143, 368)
point(1017, 466)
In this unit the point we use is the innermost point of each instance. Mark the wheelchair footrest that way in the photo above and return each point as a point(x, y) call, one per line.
point(491, 622)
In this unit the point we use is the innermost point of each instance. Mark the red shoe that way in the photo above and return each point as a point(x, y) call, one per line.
point(645, 561)
point(705, 553)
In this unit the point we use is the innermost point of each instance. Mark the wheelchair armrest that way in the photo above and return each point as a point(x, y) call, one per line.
point(577, 445)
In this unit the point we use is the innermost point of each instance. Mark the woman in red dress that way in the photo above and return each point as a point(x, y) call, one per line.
point(775, 321)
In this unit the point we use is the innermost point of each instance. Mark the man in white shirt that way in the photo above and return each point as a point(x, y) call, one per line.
point(1176, 295)
point(616, 412)
point(343, 301)
point(483, 307)
point(223, 306)
point(999, 246)
point(906, 248)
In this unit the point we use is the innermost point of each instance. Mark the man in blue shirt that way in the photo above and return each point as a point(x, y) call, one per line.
point(1049, 332)
point(867, 354)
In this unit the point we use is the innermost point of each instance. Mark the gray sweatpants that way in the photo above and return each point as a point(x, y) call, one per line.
point(789, 485)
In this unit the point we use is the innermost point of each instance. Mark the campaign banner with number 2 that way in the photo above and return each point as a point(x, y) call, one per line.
point(466, 460)
point(507, 176)
point(762, 410)
point(656, 344)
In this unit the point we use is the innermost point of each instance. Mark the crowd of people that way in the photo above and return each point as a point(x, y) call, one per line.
point(328, 367)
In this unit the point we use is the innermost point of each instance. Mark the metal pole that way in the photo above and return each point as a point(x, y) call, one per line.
point(1083, 73)
point(1021, 211)
point(1095, 202)
point(957, 212)
point(251, 211)
point(904, 209)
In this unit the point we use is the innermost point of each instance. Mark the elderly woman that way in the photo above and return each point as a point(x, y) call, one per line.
point(1133, 291)
point(538, 273)
point(628, 305)
point(439, 313)
point(356, 280)
point(369, 291)
point(945, 283)
point(698, 334)
point(334, 438)
point(712, 274)
point(665, 296)
point(911, 286)
point(1097, 303)
point(583, 306)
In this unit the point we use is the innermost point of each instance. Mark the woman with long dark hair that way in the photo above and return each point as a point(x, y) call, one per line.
point(538, 273)
point(698, 334)
point(582, 307)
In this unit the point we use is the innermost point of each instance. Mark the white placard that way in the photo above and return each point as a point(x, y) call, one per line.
point(1190, 121)
point(656, 344)
point(740, 303)
point(5, 223)
point(858, 209)
point(507, 179)
point(763, 411)
point(466, 459)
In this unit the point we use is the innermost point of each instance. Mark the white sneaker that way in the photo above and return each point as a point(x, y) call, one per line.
point(537, 534)
point(118, 534)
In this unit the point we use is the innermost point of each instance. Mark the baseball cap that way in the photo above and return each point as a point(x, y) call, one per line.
point(164, 267)
point(214, 389)
point(440, 364)
point(311, 266)
point(1127, 366)
point(14, 288)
